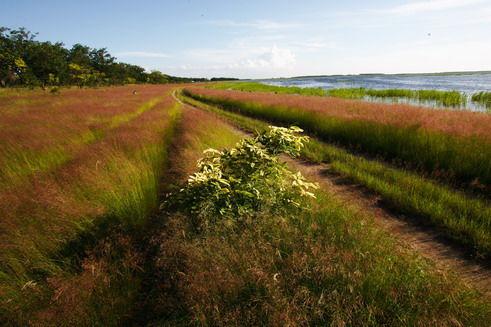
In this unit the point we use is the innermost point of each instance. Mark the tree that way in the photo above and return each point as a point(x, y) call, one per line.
point(25, 61)
point(13, 45)
point(48, 62)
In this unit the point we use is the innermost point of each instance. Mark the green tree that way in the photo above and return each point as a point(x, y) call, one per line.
point(48, 62)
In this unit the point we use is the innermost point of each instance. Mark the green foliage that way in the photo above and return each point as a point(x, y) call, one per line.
point(444, 98)
point(246, 180)
point(329, 266)
point(27, 62)
point(259, 87)
point(424, 150)
point(482, 97)
point(461, 217)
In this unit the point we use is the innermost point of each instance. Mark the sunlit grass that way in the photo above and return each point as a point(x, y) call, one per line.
point(260, 87)
point(461, 159)
point(443, 98)
point(18, 163)
point(483, 97)
point(462, 218)
point(330, 265)
point(114, 181)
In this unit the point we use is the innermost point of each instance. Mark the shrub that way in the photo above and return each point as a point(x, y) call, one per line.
point(247, 180)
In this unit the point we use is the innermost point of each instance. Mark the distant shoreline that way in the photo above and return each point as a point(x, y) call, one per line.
point(474, 72)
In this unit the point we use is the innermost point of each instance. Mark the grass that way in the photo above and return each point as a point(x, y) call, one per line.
point(482, 97)
point(419, 139)
point(79, 247)
point(259, 87)
point(328, 266)
point(462, 218)
point(52, 129)
point(50, 222)
point(443, 98)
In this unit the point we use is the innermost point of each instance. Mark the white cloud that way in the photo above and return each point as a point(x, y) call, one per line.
point(415, 7)
point(255, 24)
point(245, 57)
point(271, 58)
point(141, 54)
point(238, 59)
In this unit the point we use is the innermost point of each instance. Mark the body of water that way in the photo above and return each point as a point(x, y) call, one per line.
point(467, 83)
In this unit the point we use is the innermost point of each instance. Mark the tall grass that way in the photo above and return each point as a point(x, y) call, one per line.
point(443, 98)
point(328, 266)
point(464, 159)
point(113, 182)
point(483, 97)
point(464, 219)
point(50, 130)
point(259, 87)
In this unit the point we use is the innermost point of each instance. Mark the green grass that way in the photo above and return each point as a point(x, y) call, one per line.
point(120, 191)
point(18, 164)
point(422, 149)
point(464, 219)
point(259, 87)
point(483, 98)
point(444, 98)
point(327, 266)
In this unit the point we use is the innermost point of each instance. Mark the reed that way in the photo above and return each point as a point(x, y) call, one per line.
point(462, 218)
point(431, 142)
point(330, 265)
point(443, 98)
point(50, 220)
point(483, 97)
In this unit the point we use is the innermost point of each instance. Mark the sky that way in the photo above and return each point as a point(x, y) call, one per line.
point(269, 38)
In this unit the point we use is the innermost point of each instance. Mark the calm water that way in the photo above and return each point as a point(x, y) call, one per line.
point(467, 83)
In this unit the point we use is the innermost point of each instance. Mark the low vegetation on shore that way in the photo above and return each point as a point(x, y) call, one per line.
point(433, 142)
point(160, 213)
point(439, 97)
point(55, 213)
point(463, 218)
point(483, 97)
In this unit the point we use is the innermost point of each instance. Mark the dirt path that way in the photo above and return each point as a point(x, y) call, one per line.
point(408, 232)
point(429, 243)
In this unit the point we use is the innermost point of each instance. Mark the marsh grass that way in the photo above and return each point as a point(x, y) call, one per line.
point(114, 181)
point(48, 133)
point(462, 218)
point(483, 97)
point(460, 159)
point(327, 266)
point(259, 87)
point(443, 98)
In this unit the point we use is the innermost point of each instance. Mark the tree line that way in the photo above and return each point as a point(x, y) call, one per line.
point(25, 61)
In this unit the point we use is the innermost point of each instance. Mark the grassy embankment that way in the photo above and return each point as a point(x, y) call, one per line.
point(462, 218)
point(443, 98)
point(330, 265)
point(55, 223)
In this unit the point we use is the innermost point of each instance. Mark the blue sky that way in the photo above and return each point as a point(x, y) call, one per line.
point(255, 39)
